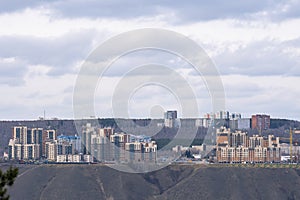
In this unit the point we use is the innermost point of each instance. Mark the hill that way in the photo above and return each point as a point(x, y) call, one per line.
point(173, 182)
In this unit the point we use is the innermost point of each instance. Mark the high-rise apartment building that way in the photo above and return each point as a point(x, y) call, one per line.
point(221, 115)
point(238, 147)
point(141, 151)
point(15, 150)
point(29, 143)
point(102, 144)
point(51, 150)
point(75, 141)
point(260, 122)
point(170, 119)
point(31, 151)
point(171, 114)
point(20, 134)
point(87, 132)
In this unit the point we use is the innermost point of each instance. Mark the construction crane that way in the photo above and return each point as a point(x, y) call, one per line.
point(291, 140)
point(291, 144)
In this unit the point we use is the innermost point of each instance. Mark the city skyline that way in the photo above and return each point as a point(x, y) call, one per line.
point(203, 116)
point(142, 99)
point(164, 115)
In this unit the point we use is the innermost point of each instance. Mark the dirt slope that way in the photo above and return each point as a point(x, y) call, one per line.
point(173, 182)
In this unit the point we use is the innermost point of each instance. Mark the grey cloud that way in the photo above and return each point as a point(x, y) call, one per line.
point(184, 11)
point(112, 9)
point(15, 5)
point(218, 9)
point(270, 95)
point(274, 106)
point(261, 58)
point(139, 58)
point(284, 10)
point(69, 89)
point(59, 53)
point(11, 73)
point(293, 10)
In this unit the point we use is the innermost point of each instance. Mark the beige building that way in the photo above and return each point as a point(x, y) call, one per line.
point(61, 158)
point(23, 151)
point(88, 158)
point(76, 158)
point(15, 149)
point(31, 151)
point(20, 134)
point(239, 148)
point(141, 151)
point(51, 150)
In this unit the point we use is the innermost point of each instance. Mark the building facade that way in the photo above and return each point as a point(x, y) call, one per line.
point(238, 147)
point(170, 119)
point(27, 143)
point(260, 122)
point(104, 145)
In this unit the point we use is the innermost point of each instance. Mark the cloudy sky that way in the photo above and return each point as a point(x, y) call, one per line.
point(255, 46)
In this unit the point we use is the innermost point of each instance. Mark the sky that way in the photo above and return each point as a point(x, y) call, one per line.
point(255, 45)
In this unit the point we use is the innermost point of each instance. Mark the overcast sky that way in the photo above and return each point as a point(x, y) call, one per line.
point(254, 44)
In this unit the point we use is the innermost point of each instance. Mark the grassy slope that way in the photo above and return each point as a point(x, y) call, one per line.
point(173, 182)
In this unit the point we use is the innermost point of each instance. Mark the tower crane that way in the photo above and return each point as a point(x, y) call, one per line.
point(291, 144)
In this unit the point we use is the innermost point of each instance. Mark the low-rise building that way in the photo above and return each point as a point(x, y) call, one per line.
point(88, 158)
point(76, 158)
point(61, 158)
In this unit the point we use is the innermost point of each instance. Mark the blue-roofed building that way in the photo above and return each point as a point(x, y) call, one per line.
point(75, 140)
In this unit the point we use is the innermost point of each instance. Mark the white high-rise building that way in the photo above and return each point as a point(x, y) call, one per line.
point(51, 150)
point(20, 134)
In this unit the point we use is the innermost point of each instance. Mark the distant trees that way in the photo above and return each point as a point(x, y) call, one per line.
point(7, 179)
point(107, 122)
point(284, 123)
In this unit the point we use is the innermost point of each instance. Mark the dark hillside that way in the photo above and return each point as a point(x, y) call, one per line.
point(173, 182)
point(284, 124)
